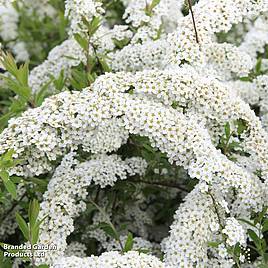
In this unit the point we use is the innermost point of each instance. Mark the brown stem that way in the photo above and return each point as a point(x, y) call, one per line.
point(193, 19)
point(216, 209)
point(97, 58)
point(88, 67)
point(31, 104)
point(162, 183)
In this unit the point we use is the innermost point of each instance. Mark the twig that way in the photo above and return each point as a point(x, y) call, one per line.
point(193, 19)
point(216, 209)
point(97, 58)
point(162, 183)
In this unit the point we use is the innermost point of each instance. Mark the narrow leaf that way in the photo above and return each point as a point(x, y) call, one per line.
point(154, 4)
point(227, 130)
point(33, 212)
point(10, 186)
point(81, 41)
point(22, 225)
point(129, 243)
point(108, 230)
point(254, 237)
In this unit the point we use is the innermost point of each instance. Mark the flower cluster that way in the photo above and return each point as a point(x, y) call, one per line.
point(172, 82)
point(256, 38)
point(182, 137)
point(190, 232)
point(111, 259)
point(9, 18)
point(75, 249)
point(234, 231)
point(79, 9)
point(70, 180)
point(255, 93)
point(61, 58)
point(227, 60)
point(149, 19)
point(172, 132)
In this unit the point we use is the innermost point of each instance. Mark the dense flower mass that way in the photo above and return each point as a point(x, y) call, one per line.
point(71, 179)
point(77, 10)
point(143, 133)
point(112, 259)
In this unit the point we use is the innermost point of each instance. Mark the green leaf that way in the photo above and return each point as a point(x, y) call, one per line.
point(260, 216)
point(10, 186)
point(4, 119)
point(234, 145)
point(62, 25)
point(129, 243)
point(265, 256)
point(41, 94)
point(33, 212)
point(10, 64)
point(91, 77)
point(4, 262)
point(108, 229)
point(21, 90)
point(175, 104)
point(59, 82)
point(263, 265)
point(227, 129)
point(35, 234)
point(214, 244)
point(35, 230)
point(147, 156)
point(40, 182)
point(248, 222)
point(263, 244)
point(149, 7)
point(104, 65)
point(154, 4)
point(241, 126)
point(93, 26)
point(149, 148)
point(265, 226)
point(8, 155)
point(20, 84)
point(83, 42)
point(245, 79)
point(78, 79)
point(91, 208)
point(258, 66)
point(22, 225)
point(237, 250)
point(121, 43)
point(254, 237)
point(23, 74)
point(16, 179)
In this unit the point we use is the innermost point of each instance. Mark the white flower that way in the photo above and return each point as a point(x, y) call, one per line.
point(235, 232)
